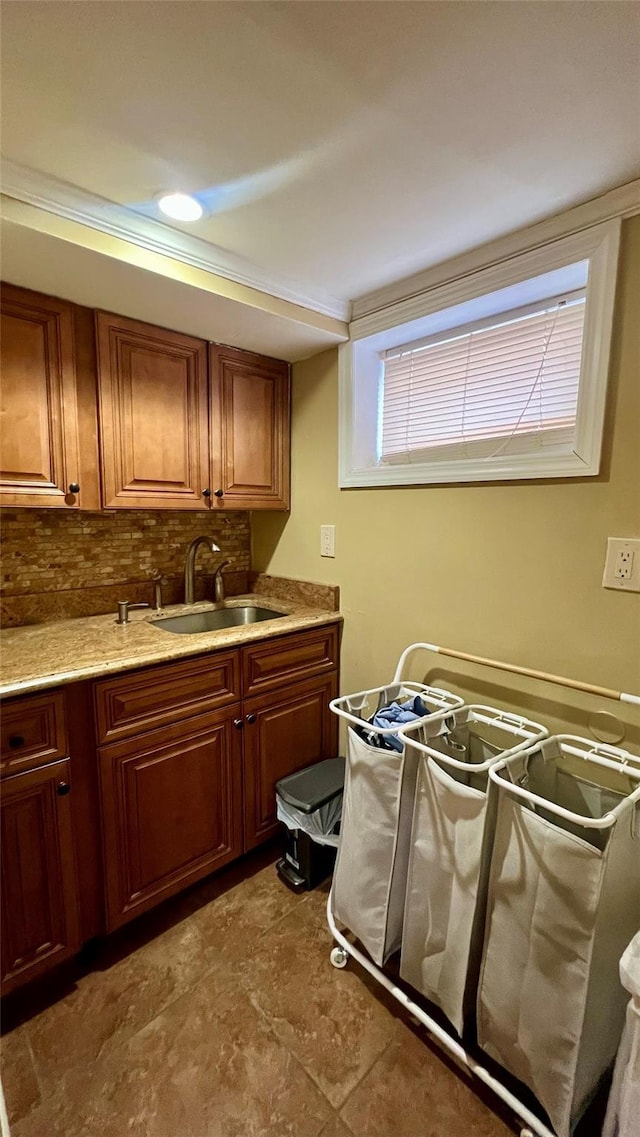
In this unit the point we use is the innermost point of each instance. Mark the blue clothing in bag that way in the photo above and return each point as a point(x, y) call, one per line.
point(395, 714)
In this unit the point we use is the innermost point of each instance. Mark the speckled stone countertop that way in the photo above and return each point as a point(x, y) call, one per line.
point(46, 655)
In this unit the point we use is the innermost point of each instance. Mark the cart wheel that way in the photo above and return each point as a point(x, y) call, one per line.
point(339, 957)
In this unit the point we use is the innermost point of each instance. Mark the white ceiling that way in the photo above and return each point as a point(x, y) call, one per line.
point(339, 146)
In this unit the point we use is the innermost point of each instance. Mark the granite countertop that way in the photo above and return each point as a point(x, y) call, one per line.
point(37, 656)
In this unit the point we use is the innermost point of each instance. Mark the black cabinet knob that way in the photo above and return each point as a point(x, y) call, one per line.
point(206, 493)
point(74, 487)
point(15, 741)
point(238, 723)
point(63, 788)
point(251, 718)
point(219, 493)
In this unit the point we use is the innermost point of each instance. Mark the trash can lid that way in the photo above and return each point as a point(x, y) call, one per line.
point(314, 786)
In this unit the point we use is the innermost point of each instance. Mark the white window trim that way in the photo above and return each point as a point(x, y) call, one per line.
point(599, 245)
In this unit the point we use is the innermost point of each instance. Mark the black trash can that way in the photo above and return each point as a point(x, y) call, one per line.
point(309, 803)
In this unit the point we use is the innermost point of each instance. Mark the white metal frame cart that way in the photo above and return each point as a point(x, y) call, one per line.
point(352, 709)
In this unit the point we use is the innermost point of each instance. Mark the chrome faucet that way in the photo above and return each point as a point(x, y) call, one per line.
point(190, 565)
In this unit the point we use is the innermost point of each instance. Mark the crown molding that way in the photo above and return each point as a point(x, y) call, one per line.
point(74, 204)
point(491, 278)
point(624, 201)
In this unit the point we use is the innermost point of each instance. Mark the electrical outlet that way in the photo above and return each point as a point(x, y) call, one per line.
point(327, 540)
point(622, 566)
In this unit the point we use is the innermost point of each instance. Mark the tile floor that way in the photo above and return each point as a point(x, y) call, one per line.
point(220, 1015)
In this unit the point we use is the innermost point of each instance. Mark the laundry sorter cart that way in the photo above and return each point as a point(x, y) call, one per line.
point(450, 849)
point(464, 1052)
point(370, 873)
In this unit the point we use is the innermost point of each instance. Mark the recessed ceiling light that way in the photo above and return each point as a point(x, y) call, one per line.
point(180, 206)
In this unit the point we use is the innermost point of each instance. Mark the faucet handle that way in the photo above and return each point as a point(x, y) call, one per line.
point(158, 581)
point(218, 582)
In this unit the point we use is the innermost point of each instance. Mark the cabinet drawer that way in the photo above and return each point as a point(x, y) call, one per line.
point(286, 660)
point(33, 732)
point(146, 699)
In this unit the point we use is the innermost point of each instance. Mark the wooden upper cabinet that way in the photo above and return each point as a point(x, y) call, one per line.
point(177, 429)
point(40, 446)
point(250, 405)
point(152, 388)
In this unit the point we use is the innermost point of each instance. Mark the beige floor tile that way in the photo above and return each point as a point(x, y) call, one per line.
point(410, 1090)
point(326, 1017)
point(232, 1023)
point(336, 1128)
point(317, 900)
point(110, 1005)
point(208, 1066)
point(233, 922)
point(18, 1074)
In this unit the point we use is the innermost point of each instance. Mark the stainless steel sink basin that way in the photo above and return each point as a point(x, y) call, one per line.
point(213, 621)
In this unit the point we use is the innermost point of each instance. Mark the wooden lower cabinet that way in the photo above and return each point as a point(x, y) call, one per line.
point(40, 925)
point(171, 811)
point(283, 732)
point(174, 777)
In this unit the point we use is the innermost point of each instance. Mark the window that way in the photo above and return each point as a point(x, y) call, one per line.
point(506, 382)
point(482, 390)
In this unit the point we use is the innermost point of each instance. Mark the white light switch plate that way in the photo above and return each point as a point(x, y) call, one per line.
point(327, 540)
point(622, 565)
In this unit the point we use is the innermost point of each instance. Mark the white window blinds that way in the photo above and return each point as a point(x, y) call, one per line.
point(510, 387)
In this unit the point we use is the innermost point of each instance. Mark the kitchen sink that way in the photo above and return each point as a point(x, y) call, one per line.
point(213, 621)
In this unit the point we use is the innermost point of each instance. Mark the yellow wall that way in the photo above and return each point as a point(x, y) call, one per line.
point(512, 571)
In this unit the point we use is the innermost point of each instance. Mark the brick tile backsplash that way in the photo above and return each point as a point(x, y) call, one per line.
point(53, 556)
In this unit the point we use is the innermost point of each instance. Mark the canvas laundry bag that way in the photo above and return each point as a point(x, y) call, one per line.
point(563, 901)
point(449, 851)
point(371, 867)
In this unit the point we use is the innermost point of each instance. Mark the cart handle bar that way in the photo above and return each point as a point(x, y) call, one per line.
point(576, 684)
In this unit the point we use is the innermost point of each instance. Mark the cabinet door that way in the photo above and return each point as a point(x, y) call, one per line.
point(250, 402)
point(172, 813)
point(39, 900)
point(153, 416)
point(40, 447)
point(283, 732)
